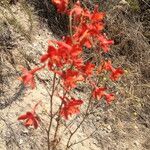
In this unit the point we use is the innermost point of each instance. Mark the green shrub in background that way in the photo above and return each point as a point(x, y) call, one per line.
point(134, 4)
point(104, 5)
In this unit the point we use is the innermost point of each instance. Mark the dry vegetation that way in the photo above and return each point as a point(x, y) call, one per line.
point(26, 27)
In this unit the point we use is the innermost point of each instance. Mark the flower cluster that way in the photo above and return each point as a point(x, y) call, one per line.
point(70, 107)
point(99, 92)
point(115, 73)
point(61, 5)
point(65, 58)
point(31, 118)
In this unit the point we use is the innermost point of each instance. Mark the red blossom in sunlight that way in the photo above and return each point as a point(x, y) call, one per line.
point(78, 62)
point(98, 93)
point(31, 119)
point(28, 76)
point(77, 9)
point(87, 42)
point(109, 97)
point(72, 49)
point(88, 69)
point(76, 12)
point(66, 53)
point(104, 43)
point(56, 57)
point(79, 14)
point(96, 28)
point(116, 73)
point(108, 66)
point(70, 107)
point(53, 56)
point(61, 5)
point(71, 78)
point(76, 50)
point(81, 36)
point(97, 16)
point(44, 57)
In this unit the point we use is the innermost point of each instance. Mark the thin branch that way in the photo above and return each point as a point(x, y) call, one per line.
point(51, 112)
point(83, 139)
point(85, 116)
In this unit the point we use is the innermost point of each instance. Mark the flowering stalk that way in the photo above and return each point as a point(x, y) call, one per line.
point(66, 60)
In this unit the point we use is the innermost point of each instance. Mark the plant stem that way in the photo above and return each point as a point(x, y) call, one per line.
point(58, 121)
point(70, 26)
point(85, 116)
point(57, 127)
point(51, 112)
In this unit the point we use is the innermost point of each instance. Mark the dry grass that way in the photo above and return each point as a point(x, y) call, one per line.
point(129, 116)
point(10, 55)
point(127, 31)
point(58, 23)
point(7, 12)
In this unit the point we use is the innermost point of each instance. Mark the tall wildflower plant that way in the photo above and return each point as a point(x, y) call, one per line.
point(65, 60)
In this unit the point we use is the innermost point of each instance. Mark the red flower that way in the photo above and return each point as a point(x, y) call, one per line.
point(75, 51)
point(64, 55)
point(67, 49)
point(98, 93)
point(108, 66)
point(87, 42)
point(28, 76)
point(56, 57)
point(78, 62)
point(70, 107)
point(88, 69)
point(52, 55)
point(97, 27)
point(61, 5)
point(104, 43)
point(81, 35)
point(44, 57)
point(116, 74)
point(76, 11)
point(109, 97)
point(97, 16)
point(71, 78)
point(31, 119)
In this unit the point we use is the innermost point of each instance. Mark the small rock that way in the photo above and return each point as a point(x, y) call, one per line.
point(25, 131)
point(20, 141)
